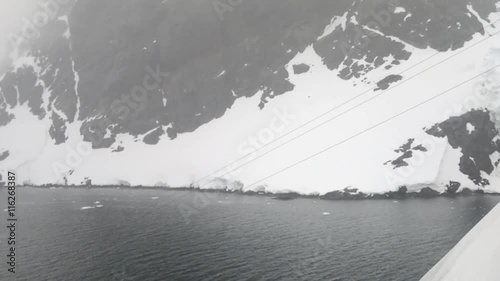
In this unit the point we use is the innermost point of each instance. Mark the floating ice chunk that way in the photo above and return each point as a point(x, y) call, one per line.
point(87, 207)
point(99, 206)
point(97, 202)
point(154, 198)
point(399, 10)
point(326, 213)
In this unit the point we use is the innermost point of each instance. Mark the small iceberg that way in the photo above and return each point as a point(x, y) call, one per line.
point(326, 213)
point(97, 202)
point(86, 208)
point(99, 206)
point(154, 198)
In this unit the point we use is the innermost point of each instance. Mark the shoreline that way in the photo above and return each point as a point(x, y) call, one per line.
point(346, 194)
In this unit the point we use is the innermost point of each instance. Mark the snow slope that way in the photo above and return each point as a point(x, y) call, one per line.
point(267, 143)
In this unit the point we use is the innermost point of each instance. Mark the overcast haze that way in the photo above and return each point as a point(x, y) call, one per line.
point(11, 14)
point(249, 140)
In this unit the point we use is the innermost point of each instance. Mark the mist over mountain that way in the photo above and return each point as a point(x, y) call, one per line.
point(182, 88)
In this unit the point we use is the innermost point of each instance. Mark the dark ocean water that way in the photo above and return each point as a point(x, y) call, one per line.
point(184, 235)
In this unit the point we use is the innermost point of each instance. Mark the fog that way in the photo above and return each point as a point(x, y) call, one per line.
point(12, 13)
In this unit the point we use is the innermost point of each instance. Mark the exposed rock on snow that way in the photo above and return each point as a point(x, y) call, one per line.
point(385, 83)
point(301, 68)
point(180, 105)
point(477, 147)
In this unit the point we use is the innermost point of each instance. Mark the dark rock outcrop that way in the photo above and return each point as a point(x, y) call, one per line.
point(116, 70)
point(427, 192)
point(406, 151)
point(385, 83)
point(119, 149)
point(4, 155)
point(301, 68)
point(476, 146)
point(452, 188)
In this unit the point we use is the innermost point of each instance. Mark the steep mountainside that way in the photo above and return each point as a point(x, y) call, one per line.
point(228, 94)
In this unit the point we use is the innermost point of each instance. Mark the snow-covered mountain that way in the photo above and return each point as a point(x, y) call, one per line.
point(304, 96)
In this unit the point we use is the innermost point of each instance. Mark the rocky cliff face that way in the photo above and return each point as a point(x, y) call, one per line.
point(474, 134)
point(156, 70)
